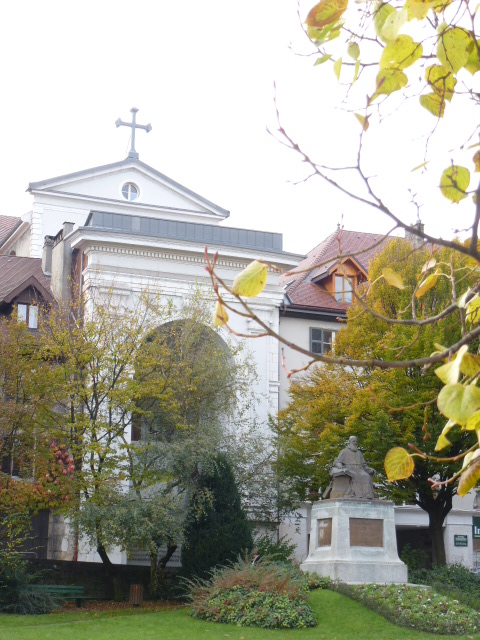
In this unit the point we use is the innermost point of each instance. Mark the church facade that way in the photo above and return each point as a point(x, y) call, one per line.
point(127, 228)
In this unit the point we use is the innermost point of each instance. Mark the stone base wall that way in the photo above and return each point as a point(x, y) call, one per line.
point(354, 541)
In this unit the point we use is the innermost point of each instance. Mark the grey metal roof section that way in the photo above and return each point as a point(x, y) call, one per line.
point(123, 164)
point(189, 231)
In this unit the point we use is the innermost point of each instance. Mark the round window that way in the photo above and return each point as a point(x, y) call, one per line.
point(130, 191)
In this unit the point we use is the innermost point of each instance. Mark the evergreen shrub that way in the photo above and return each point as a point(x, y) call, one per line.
point(269, 595)
point(217, 530)
point(15, 595)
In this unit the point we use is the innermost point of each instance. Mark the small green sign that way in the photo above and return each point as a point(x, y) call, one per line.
point(460, 541)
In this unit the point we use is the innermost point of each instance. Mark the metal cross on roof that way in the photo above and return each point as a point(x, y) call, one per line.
point(133, 124)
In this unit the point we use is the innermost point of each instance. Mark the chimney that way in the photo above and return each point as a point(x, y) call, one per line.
point(413, 239)
point(67, 228)
point(62, 263)
point(47, 255)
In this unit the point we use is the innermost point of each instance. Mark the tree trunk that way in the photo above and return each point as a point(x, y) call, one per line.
point(438, 542)
point(437, 505)
point(157, 572)
point(104, 555)
point(111, 591)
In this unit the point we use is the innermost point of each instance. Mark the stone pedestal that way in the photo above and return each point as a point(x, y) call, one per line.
point(354, 541)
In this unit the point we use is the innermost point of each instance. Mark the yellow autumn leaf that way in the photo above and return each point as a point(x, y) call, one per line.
point(398, 464)
point(434, 103)
point(392, 25)
point(353, 50)
point(454, 47)
point(473, 62)
point(471, 475)
point(393, 278)
point(363, 121)
point(476, 161)
point(355, 74)
point(441, 80)
point(462, 299)
point(473, 310)
point(443, 442)
point(220, 315)
point(473, 423)
point(470, 365)
point(450, 372)
point(337, 67)
point(401, 53)
point(441, 5)
point(418, 9)
point(251, 281)
point(454, 183)
point(429, 282)
point(429, 265)
point(382, 12)
point(326, 12)
point(458, 402)
point(389, 81)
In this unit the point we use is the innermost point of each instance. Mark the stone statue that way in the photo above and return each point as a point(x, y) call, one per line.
point(350, 475)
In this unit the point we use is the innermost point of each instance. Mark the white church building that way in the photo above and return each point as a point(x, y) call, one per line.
point(142, 230)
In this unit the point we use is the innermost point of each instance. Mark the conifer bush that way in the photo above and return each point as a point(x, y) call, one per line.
point(269, 595)
point(217, 529)
point(15, 595)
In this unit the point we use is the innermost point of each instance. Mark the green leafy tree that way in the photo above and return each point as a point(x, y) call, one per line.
point(157, 373)
point(382, 407)
point(217, 529)
point(31, 473)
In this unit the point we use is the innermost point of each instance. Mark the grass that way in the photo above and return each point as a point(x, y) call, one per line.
point(340, 618)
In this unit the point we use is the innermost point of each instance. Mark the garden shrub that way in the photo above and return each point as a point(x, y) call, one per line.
point(15, 573)
point(270, 595)
point(414, 558)
point(314, 581)
point(453, 580)
point(217, 530)
point(277, 550)
point(15, 595)
point(418, 608)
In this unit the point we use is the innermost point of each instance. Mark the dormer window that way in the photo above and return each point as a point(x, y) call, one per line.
point(130, 191)
point(28, 313)
point(343, 288)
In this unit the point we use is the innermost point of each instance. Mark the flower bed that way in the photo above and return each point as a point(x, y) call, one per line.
point(415, 607)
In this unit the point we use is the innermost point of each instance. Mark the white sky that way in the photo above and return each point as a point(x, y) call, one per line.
point(202, 73)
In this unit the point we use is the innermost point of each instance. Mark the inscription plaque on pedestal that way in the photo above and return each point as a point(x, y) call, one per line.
point(366, 532)
point(325, 532)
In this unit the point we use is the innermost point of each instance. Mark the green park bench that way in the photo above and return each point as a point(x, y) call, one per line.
point(63, 592)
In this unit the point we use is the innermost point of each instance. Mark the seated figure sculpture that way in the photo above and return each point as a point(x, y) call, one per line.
point(350, 476)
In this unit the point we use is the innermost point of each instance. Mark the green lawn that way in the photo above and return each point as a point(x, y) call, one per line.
point(339, 619)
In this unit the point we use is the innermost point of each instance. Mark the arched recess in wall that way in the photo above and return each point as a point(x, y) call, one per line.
point(188, 375)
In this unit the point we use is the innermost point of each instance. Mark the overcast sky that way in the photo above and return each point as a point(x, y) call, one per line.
point(203, 74)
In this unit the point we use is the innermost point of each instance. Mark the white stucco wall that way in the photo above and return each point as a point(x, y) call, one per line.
point(297, 331)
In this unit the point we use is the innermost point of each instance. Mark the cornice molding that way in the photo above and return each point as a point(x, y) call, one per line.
point(168, 255)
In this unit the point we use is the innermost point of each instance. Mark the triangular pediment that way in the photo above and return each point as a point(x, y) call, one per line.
point(152, 190)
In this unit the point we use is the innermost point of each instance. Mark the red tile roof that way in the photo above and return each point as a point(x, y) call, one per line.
point(17, 273)
point(7, 225)
point(303, 288)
